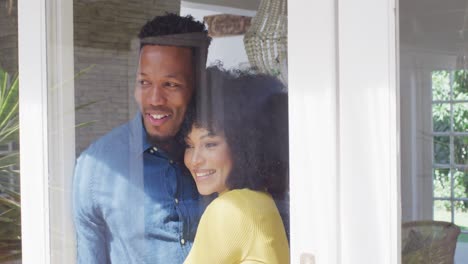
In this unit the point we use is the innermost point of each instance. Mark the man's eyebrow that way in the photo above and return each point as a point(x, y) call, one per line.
point(169, 75)
point(175, 76)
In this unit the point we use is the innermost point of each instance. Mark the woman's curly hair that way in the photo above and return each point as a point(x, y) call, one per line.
point(251, 110)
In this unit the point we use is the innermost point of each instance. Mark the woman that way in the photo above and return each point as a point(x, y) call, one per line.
point(236, 147)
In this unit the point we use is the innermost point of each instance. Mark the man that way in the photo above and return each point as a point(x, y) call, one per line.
point(133, 202)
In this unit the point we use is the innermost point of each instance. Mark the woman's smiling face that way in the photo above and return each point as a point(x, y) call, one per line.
point(208, 158)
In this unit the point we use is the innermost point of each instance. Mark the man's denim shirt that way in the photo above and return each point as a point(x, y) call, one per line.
point(131, 203)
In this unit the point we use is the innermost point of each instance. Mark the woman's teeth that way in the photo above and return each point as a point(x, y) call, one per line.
point(206, 173)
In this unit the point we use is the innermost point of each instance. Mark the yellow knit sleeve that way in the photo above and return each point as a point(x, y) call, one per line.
point(223, 235)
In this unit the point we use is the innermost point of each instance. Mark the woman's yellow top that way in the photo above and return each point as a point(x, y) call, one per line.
point(240, 226)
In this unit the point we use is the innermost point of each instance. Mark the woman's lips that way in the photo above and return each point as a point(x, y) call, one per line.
point(203, 174)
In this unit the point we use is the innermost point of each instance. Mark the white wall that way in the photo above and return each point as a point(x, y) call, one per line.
point(229, 50)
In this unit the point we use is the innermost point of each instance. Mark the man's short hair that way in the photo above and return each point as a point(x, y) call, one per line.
point(171, 24)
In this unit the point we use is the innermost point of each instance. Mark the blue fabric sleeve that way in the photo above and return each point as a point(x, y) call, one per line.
point(90, 228)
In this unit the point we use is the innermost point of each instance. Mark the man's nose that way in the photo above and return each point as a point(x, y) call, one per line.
point(157, 96)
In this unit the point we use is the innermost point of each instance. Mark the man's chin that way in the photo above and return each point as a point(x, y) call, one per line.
point(159, 139)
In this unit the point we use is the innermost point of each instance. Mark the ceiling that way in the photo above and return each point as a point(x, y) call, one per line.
point(434, 24)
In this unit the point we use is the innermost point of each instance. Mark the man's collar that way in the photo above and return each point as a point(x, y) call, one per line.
point(138, 137)
point(139, 142)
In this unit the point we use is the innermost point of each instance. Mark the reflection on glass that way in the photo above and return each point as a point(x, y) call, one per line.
point(460, 117)
point(152, 78)
point(441, 150)
point(441, 117)
point(440, 86)
point(461, 150)
point(442, 183)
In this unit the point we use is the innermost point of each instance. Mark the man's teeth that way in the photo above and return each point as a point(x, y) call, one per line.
point(158, 116)
point(206, 173)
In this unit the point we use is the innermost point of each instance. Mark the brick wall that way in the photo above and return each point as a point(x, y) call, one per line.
point(9, 36)
point(105, 39)
point(106, 45)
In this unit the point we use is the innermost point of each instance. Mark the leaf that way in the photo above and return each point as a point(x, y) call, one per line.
point(9, 202)
point(87, 104)
point(83, 71)
point(86, 123)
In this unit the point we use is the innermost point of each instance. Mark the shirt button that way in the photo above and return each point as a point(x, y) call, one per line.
point(176, 200)
point(182, 241)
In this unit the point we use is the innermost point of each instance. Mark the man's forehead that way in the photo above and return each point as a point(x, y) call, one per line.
point(158, 50)
point(190, 40)
point(166, 61)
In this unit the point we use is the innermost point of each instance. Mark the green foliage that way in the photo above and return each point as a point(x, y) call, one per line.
point(440, 85)
point(10, 205)
point(10, 209)
point(450, 114)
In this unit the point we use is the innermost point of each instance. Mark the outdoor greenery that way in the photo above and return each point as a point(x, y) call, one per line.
point(450, 116)
point(10, 210)
point(10, 206)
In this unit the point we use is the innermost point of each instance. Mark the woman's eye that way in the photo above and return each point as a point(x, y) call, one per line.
point(188, 146)
point(211, 144)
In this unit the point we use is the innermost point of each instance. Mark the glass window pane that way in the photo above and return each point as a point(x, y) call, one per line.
point(10, 209)
point(442, 210)
point(460, 186)
point(442, 183)
point(461, 219)
point(442, 150)
point(441, 117)
point(440, 85)
point(140, 83)
point(461, 150)
point(460, 117)
point(460, 85)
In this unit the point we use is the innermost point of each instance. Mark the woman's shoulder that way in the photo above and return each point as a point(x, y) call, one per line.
point(243, 197)
point(229, 211)
point(241, 202)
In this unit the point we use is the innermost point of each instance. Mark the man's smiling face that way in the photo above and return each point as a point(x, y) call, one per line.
point(164, 87)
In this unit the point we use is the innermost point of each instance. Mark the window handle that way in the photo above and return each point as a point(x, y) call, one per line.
point(307, 258)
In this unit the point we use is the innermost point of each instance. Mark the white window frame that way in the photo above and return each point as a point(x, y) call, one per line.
point(47, 140)
point(345, 205)
point(33, 126)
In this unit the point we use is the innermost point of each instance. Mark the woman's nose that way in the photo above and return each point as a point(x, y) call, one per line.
point(197, 157)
